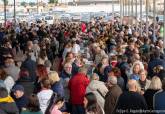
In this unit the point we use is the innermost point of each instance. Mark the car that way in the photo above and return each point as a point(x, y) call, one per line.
point(76, 17)
point(65, 17)
point(49, 19)
point(85, 17)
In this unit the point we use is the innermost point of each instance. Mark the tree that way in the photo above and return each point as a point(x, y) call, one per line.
point(53, 1)
point(32, 4)
point(23, 3)
point(5, 2)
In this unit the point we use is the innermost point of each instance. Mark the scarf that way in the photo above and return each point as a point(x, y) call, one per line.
point(6, 99)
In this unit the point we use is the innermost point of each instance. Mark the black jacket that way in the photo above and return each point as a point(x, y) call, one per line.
point(30, 65)
point(148, 95)
point(129, 102)
point(27, 84)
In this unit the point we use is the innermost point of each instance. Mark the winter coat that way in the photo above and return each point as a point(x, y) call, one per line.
point(77, 86)
point(111, 99)
point(99, 89)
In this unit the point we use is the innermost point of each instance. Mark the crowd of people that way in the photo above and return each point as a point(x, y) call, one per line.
point(81, 68)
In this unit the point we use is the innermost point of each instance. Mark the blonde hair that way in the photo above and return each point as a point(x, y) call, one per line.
point(53, 77)
point(156, 83)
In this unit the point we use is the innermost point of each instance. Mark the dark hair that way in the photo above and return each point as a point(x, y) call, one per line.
point(24, 73)
point(92, 105)
point(33, 105)
point(46, 83)
point(42, 72)
point(3, 74)
point(3, 92)
point(163, 84)
point(55, 98)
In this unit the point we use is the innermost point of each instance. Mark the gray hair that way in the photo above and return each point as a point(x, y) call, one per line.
point(83, 70)
point(112, 80)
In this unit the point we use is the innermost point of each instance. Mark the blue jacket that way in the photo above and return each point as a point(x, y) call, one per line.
point(21, 102)
point(58, 88)
point(65, 75)
point(158, 102)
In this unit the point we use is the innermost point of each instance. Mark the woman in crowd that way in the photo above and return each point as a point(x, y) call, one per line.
point(45, 94)
point(91, 105)
point(154, 87)
point(57, 105)
point(41, 74)
point(33, 106)
point(143, 81)
point(56, 84)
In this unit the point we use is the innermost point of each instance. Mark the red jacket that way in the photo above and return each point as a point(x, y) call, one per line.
point(77, 86)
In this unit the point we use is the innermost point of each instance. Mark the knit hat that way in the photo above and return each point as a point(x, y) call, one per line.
point(18, 88)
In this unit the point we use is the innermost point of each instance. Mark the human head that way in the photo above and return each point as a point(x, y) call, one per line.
point(68, 67)
point(3, 74)
point(3, 92)
point(105, 61)
point(143, 75)
point(33, 104)
point(83, 70)
point(48, 65)
point(136, 68)
point(89, 99)
point(59, 102)
point(41, 71)
point(90, 103)
point(29, 44)
point(70, 55)
point(114, 72)
point(133, 85)
point(24, 73)
point(53, 77)
point(112, 80)
point(156, 83)
point(9, 61)
point(45, 83)
point(95, 77)
point(18, 91)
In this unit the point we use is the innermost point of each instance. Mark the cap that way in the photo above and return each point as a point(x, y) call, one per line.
point(18, 88)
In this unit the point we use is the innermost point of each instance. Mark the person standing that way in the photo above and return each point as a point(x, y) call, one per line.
point(112, 95)
point(77, 86)
point(45, 94)
point(7, 104)
point(158, 102)
point(131, 100)
point(33, 107)
point(91, 105)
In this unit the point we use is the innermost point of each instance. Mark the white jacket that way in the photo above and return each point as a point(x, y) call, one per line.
point(99, 89)
point(44, 97)
point(9, 82)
